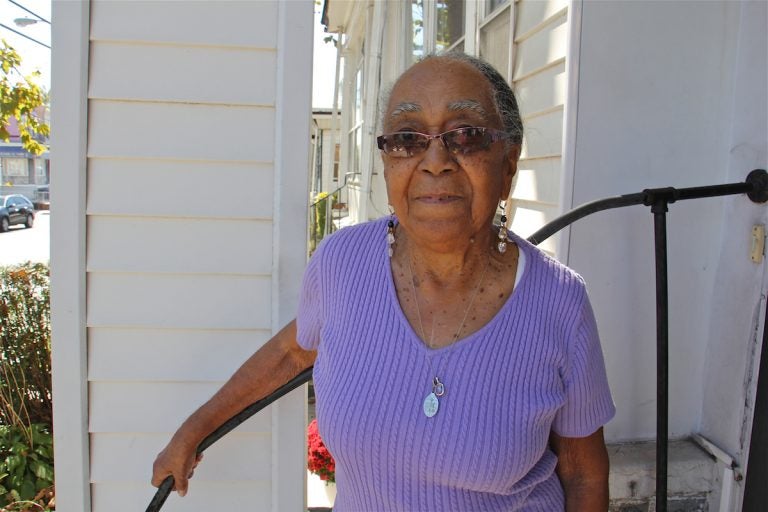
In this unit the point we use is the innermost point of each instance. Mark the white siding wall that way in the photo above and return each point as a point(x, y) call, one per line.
point(539, 80)
point(184, 281)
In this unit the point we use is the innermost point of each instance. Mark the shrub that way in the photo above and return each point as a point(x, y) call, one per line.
point(25, 345)
point(26, 469)
point(26, 443)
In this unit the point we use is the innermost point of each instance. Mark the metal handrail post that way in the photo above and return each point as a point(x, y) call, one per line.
point(659, 210)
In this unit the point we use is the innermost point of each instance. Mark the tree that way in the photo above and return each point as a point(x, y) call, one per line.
point(23, 100)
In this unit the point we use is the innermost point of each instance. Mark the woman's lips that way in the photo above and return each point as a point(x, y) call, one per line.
point(438, 198)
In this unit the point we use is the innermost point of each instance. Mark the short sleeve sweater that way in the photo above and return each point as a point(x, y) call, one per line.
point(536, 367)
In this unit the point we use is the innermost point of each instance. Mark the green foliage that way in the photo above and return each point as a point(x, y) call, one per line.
point(26, 464)
point(25, 346)
point(21, 98)
point(26, 443)
point(321, 210)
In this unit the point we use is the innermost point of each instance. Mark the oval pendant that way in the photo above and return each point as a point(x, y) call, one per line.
point(431, 405)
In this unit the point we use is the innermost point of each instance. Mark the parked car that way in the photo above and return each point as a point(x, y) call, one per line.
point(16, 209)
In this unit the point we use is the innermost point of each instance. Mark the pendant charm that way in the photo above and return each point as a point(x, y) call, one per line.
point(431, 405)
point(438, 388)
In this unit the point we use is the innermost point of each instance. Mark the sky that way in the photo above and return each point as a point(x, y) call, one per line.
point(324, 66)
point(33, 56)
point(37, 57)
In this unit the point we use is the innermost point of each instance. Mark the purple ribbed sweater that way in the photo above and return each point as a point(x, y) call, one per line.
point(536, 366)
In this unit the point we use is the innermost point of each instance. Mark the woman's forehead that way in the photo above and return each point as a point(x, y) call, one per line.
point(445, 85)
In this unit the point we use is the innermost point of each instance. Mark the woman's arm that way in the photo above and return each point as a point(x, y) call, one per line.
point(274, 364)
point(582, 465)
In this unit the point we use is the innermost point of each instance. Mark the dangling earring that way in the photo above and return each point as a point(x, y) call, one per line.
point(391, 232)
point(502, 245)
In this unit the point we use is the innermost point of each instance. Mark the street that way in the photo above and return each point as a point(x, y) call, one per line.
point(19, 244)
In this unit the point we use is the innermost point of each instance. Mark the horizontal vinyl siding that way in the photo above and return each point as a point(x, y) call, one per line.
point(180, 208)
point(141, 129)
point(193, 23)
point(231, 461)
point(217, 73)
point(161, 188)
point(540, 82)
point(174, 355)
point(208, 496)
point(153, 407)
point(198, 245)
point(179, 300)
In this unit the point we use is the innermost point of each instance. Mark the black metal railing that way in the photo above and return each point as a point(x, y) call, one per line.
point(658, 199)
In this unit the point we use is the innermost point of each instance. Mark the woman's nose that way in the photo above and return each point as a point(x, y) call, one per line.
point(437, 159)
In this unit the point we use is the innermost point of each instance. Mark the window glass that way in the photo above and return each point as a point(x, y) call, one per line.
point(336, 161)
point(358, 96)
point(493, 4)
point(494, 43)
point(450, 23)
point(15, 171)
point(417, 29)
point(41, 177)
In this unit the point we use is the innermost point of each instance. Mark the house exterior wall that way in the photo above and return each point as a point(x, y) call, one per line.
point(672, 110)
point(179, 283)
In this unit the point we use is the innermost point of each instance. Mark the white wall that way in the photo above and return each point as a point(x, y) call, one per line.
point(183, 282)
point(655, 108)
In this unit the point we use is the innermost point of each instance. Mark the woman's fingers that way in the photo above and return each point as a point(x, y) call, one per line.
point(177, 463)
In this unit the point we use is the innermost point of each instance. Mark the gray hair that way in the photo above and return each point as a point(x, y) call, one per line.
point(503, 97)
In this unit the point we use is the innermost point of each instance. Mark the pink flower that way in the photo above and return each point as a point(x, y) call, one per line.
point(319, 459)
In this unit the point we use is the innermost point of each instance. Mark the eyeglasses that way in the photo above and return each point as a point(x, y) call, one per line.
point(461, 141)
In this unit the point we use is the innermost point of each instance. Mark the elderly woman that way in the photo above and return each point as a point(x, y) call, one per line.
point(457, 367)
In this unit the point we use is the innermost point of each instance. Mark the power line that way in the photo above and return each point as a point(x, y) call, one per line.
point(24, 35)
point(30, 12)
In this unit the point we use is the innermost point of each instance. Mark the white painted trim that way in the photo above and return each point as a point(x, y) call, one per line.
point(511, 42)
point(470, 27)
point(69, 139)
point(492, 16)
point(430, 25)
point(540, 69)
point(294, 111)
point(541, 25)
point(540, 113)
point(570, 119)
point(372, 77)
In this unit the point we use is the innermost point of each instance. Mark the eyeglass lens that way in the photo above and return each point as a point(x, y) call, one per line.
point(461, 141)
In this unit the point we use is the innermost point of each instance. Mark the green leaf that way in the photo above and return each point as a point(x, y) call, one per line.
point(41, 470)
point(27, 490)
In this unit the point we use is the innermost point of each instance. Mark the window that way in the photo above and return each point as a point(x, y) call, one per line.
point(417, 29)
point(41, 174)
point(493, 4)
point(495, 37)
point(450, 24)
point(16, 171)
point(355, 135)
point(336, 153)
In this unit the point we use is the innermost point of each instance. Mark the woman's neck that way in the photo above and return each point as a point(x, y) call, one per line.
point(456, 267)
